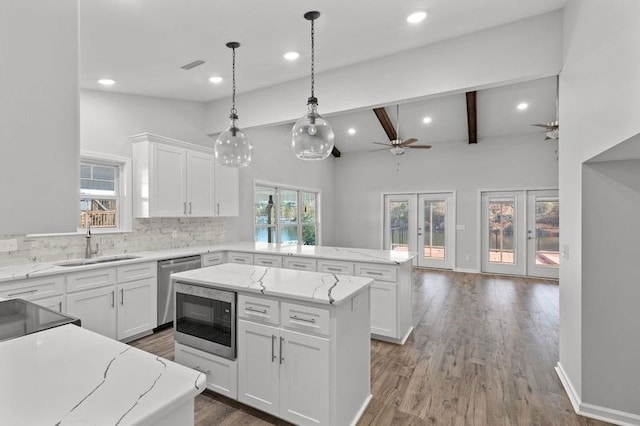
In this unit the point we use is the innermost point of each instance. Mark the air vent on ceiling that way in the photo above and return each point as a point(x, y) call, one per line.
point(192, 65)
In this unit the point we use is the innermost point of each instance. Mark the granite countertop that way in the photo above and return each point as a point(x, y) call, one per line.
point(316, 287)
point(33, 270)
point(70, 376)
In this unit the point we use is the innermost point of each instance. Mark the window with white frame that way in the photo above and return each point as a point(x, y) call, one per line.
point(103, 199)
point(286, 215)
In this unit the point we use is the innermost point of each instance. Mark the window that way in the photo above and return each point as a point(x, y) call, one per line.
point(103, 191)
point(286, 215)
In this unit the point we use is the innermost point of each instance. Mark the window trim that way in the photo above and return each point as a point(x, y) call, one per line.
point(299, 189)
point(124, 191)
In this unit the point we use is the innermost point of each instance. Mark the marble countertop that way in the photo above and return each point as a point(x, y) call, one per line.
point(33, 270)
point(316, 287)
point(71, 376)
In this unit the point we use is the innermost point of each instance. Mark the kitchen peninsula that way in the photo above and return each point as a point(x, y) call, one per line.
point(303, 347)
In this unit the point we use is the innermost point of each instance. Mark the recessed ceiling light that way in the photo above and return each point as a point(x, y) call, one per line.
point(522, 106)
point(351, 131)
point(416, 17)
point(291, 56)
point(427, 120)
point(215, 80)
point(107, 82)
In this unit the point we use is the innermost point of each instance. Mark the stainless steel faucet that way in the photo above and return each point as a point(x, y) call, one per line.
point(87, 250)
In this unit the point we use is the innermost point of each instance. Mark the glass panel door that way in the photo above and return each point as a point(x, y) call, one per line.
point(399, 222)
point(436, 230)
point(502, 230)
point(543, 234)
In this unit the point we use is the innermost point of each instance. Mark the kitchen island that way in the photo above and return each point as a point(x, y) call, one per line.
point(71, 376)
point(303, 347)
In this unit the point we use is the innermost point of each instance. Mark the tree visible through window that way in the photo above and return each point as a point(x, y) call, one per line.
point(286, 215)
point(99, 195)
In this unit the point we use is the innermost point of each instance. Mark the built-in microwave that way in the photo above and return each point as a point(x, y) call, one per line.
point(205, 319)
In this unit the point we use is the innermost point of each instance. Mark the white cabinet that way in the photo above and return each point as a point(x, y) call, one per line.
point(238, 257)
point(96, 308)
point(271, 260)
point(221, 372)
point(172, 178)
point(55, 303)
point(300, 263)
point(210, 259)
point(33, 288)
point(135, 312)
point(227, 190)
point(383, 308)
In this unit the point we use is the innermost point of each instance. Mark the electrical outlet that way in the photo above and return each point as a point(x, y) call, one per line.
point(8, 245)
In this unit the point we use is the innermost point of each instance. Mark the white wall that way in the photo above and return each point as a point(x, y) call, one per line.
point(273, 162)
point(519, 51)
point(522, 162)
point(599, 108)
point(107, 120)
point(38, 116)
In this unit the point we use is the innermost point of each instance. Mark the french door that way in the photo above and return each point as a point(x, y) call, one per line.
point(422, 223)
point(520, 233)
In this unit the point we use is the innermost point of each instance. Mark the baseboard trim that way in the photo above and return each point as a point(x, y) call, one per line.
point(594, 411)
point(360, 412)
point(467, 270)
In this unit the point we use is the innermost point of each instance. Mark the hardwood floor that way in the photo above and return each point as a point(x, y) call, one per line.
point(482, 353)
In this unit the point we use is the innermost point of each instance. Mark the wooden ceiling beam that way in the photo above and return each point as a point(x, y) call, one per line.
point(472, 119)
point(385, 121)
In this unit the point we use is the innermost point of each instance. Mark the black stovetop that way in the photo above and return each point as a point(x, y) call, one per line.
point(20, 317)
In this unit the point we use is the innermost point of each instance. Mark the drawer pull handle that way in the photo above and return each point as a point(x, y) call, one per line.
point(273, 348)
point(281, 343)
point(202, 371)
point(23, 292)
point(266, 262)
point(299, 265)
point(378, 274)
point(60, 306)
point(259, 311)
point(329, 268)
point(297, 318)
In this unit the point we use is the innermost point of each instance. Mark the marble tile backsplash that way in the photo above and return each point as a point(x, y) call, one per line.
point(148, 234)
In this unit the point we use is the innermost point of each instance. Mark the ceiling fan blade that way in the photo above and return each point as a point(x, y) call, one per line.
point(381, 149)
point(379, 143)
point(409, 141)
point(550, 126)
point(419, 147)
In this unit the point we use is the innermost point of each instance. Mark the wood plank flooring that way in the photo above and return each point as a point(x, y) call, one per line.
point(482, 353)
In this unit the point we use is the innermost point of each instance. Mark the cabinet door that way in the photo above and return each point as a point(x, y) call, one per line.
point(258, 366)
point(227, 190)
point(383, 309)
point(168, 183)
point(304, 379)
point(55, 303)
point(199, 184)
point(96, 309)
point(136, 307)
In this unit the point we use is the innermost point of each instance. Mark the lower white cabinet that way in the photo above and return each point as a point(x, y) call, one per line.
point(55, 303)
point(221, 372)
point(284, 373)
point(383, 309)
point(96, 308)
point(135, 312)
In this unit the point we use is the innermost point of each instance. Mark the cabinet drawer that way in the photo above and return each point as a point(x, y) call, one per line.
point(235, 257)
point(305, 318)
point(91, 279)
point(55, 303)
point(258, 309)
point(210, 259)
point(379, 272)
point(138, 271)
point(34, 288)
point(267, 260)
point(221, 373)
point(335, 267)
point(300, 263)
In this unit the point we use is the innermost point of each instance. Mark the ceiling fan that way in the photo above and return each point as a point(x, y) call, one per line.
point(395, 145)
point(552, 126)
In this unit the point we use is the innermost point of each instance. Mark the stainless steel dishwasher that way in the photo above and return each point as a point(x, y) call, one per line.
point(166, 295)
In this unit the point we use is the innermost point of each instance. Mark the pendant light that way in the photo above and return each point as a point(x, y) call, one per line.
point(233, 148)
point(312, 137)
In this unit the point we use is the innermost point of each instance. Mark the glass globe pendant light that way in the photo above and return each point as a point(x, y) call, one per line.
point(312, 137)
point(233, 148)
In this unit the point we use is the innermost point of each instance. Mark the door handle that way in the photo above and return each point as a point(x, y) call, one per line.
point(273, 348)
point(122, 296)
point(281, 342)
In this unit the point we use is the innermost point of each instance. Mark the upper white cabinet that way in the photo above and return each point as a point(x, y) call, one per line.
point(177, 179)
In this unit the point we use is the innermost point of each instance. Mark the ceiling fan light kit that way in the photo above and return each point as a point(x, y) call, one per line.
point(395, 145)
point(233, 148)
point(312, 137)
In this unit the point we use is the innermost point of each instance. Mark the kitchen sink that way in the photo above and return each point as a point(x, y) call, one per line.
point(97, 260)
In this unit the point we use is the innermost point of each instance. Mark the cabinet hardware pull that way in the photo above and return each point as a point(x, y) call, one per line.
point(218, 207)
point(113, 299)
point(184, 207)
point(310, 320)
point(122, 296)
point(189, 207)
point(273, 348)
point(260, 311)
point(60, 306)
point(281, 342)
point(23, 292)
point(299, 265)
point(207, 372)
point(329, 268)
point(379, 274)
point(266, 262)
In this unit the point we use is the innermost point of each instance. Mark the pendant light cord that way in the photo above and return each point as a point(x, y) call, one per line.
point(313, 81)
point(233, 73)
